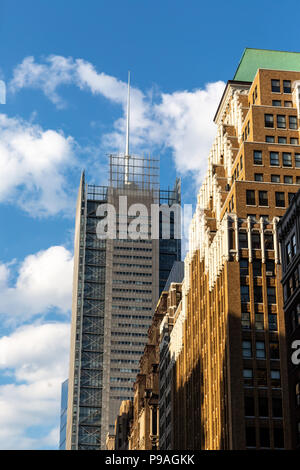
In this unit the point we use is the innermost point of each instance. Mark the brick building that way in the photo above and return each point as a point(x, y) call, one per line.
point(229, 341)
point(289, 236)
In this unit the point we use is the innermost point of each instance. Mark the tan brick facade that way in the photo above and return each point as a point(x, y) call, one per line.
point(231, 375)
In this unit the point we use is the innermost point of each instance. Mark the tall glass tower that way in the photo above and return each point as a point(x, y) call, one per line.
point(116, 285)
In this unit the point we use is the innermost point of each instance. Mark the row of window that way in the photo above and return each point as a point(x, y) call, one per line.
point(281, 121)
point(263, 198)
point(259, 321)
point(132, 273)
point(287, 179)
point(286, 159)
point(262, 377)
point(282, 140)
point(286, 104)
point(276, 86)
point(263, 407)
point(291, 249)
point(258, 294)
point(256, 241)
point(264, 437)
point(129, 307)
point(130, 299)
point(295, 323)
point(257, 263)
point(260, 350)
point(138, 291)
point(137, 283)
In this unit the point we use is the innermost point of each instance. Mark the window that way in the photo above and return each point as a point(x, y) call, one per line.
point(287, 86)
point(269, 242)
point(276, 103)
point(250, 197)
point(288, 104)
point(269, 120)
point(288, 179)
point(298, 394)
point(287, 159)
point(274, 158)
point(249, 406)
point(244, 271)
point(262, 377)
point(294, 140)
point(257, 157)
point(270, 139)
point(259, 321)
point(258, 177)
point(250, 436)
point(297, 160)
point(282, 140)
point(245, 320)
point(243, 239)
point(270, 265)
point(264, 434)
point(260, 349)
point(275, 378)
point(293, 124)
point(275, 86)
point(278, 438)
point(247, 349)
point(256, 241)
point(263, 406)
point(245, 294)
point(277, 407)
point(281, 122)
point(274, 350)
point(272, 322)
point(256, 265)
point(248, 376)
point(263, 198)
point(275, 178)
point(279, 198)
point(271, 294)
point(297, 179)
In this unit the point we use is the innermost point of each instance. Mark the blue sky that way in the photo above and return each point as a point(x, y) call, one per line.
point(65, 66)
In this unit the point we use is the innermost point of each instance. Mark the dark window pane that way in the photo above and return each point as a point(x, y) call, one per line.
point(274, 158)
point(279, 198)
point(250, 197)
point(263, 406)
point(269, 120)
point(270, 139)
point(287, 159)
point(278, 438)
point(256, 241)
point(257, 157)
point(281, 123)
point(250, 436)
point(263, 198)
point(287, 86)
point(293, 124)
point(264, 433)
point(249, 406)
point(274, 350)
point(275, 85)
point(275, 178)
point(277, 407)
point(243, 240)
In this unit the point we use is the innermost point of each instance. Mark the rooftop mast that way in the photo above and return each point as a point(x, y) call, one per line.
point(127, 156)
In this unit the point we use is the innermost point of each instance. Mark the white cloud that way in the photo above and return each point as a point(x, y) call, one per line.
point(32, 166)
point(37, 357)
point(44, 281)
point(180, 121)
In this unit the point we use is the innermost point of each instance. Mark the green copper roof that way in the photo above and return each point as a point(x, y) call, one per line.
point(254, 59)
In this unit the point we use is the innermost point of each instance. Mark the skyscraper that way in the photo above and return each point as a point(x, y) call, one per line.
point(231, 387)
point(117, 282)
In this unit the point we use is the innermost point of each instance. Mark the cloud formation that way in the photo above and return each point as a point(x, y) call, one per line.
point(33, 163)
point(44, 281)
point(179, 121)
point(35, 357)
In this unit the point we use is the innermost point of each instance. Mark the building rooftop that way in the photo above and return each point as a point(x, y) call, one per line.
point(254, 59)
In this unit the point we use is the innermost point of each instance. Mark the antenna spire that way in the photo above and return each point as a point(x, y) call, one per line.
point(127, 156)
